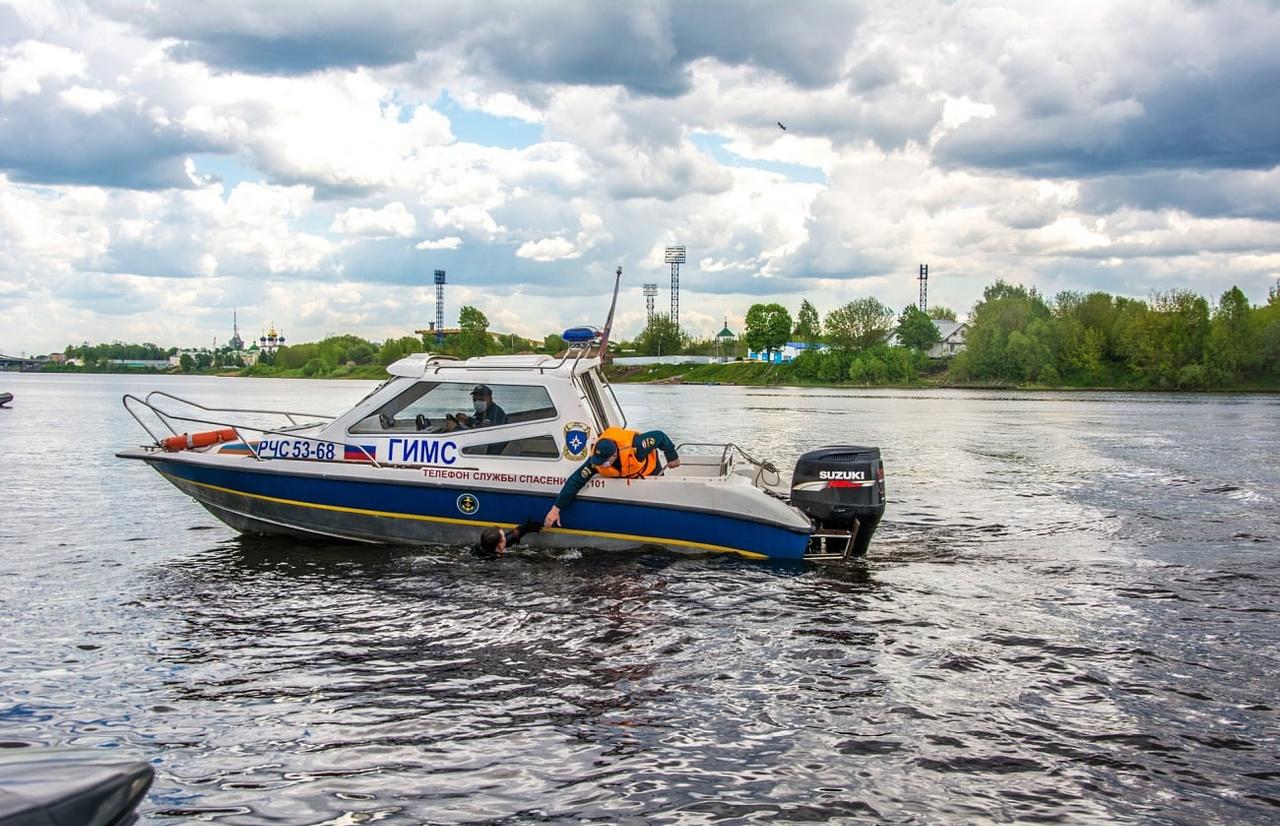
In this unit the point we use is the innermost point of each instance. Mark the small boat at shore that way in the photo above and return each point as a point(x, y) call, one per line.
point(5, 398)
point(398, 468)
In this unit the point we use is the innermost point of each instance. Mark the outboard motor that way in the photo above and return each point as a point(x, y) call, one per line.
point(841, 488)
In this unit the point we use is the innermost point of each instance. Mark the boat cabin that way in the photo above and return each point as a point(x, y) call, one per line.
point(542, 408)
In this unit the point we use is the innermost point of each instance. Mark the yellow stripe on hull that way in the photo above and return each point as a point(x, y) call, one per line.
point(646, 540)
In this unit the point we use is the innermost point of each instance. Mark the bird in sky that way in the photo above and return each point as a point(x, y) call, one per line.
point(780, 126)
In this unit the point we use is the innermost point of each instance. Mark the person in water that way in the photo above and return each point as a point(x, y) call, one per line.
point(494, 540)
point(619, 453)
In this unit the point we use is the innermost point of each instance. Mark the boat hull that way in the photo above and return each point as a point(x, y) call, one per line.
point(267, 499)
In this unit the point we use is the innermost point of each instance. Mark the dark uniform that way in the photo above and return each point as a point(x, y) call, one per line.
point(492, 415)
point(643, 445)
point(489, 416)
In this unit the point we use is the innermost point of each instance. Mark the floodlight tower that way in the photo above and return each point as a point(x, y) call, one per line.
point(650, 293)
point(439, 307)
point(924, 288)
point(675, 257)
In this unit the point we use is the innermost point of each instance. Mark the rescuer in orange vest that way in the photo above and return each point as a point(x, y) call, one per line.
point(619, 453)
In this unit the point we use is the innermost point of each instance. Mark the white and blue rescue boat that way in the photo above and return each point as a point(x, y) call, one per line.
point(401, 466)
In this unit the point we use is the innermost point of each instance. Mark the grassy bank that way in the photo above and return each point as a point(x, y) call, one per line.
point(750, 374)
point(742, 373)
point(365, 372)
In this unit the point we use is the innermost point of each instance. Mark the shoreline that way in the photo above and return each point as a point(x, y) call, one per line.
point(762, 375)
point(679, 375)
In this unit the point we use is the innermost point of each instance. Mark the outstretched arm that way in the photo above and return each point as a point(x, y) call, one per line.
point(653, 440)
point(521, 531)
point(572, 485)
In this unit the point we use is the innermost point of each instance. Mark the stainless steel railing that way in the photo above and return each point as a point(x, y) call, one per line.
point(168, 418)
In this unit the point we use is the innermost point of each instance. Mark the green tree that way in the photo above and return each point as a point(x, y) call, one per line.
point(883, 364)
point(553, 343)
point(1231, 347)
point(808, 328)
point(186, 363)
point(768, 326)
point(474, 338)
point(990, 349)
point(1266, 322)
point(834, 366)
point(361, 353)
point(916, 329)
point(390, 351)
point(858, 325)
point(661, 337)
point(295, 355)
point(1169, 337)
point(940, 313)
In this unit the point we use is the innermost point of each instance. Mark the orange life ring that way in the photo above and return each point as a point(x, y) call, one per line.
point(188, 441)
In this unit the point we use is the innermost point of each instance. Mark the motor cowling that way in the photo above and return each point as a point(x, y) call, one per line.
point(841, 488)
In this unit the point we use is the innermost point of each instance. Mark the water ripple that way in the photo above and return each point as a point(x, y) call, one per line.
point(1068, 616)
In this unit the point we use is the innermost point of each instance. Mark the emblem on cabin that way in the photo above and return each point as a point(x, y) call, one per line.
point(576, 437)
point(468, 504)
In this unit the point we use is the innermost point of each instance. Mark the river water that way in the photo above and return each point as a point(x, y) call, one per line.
point(1069, 614)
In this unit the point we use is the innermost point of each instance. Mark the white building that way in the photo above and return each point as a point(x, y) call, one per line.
point(950, 338)
point(788, 352)
point(951, 335)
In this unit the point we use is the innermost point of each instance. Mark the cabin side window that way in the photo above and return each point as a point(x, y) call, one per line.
point(445, 407)
point(534, 447)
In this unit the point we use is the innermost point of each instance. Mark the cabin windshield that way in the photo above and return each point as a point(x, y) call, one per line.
point(443, 407)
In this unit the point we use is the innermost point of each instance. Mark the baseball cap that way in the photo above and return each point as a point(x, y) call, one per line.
point(481, 390)
point(605, 450)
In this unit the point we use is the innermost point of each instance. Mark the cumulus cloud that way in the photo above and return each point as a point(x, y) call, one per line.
point(343, 152)
point(1133, 88)
point(391, 221)
point(24, 68)
point(471, 220)
point(1209, 193)
point(548, 249)
point(88, 100)
point(644, 47)
point(591, 234)
point(450, 242)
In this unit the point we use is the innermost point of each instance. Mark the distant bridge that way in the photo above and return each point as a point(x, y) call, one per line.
point(17, 363)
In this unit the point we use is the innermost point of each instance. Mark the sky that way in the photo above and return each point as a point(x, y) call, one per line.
point(309, 164)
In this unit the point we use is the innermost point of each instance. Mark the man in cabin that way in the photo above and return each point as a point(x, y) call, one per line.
point(494, 540)
point(487, 412)
point(619, 453)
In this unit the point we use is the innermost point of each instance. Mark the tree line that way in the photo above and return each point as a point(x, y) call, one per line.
point(1176, 340)
point(333, 354)
point(97, 353)
point(863, 341)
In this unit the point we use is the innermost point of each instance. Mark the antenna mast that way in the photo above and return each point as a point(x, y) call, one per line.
point(675, 256)
point(650, 293)
point(439, 307)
